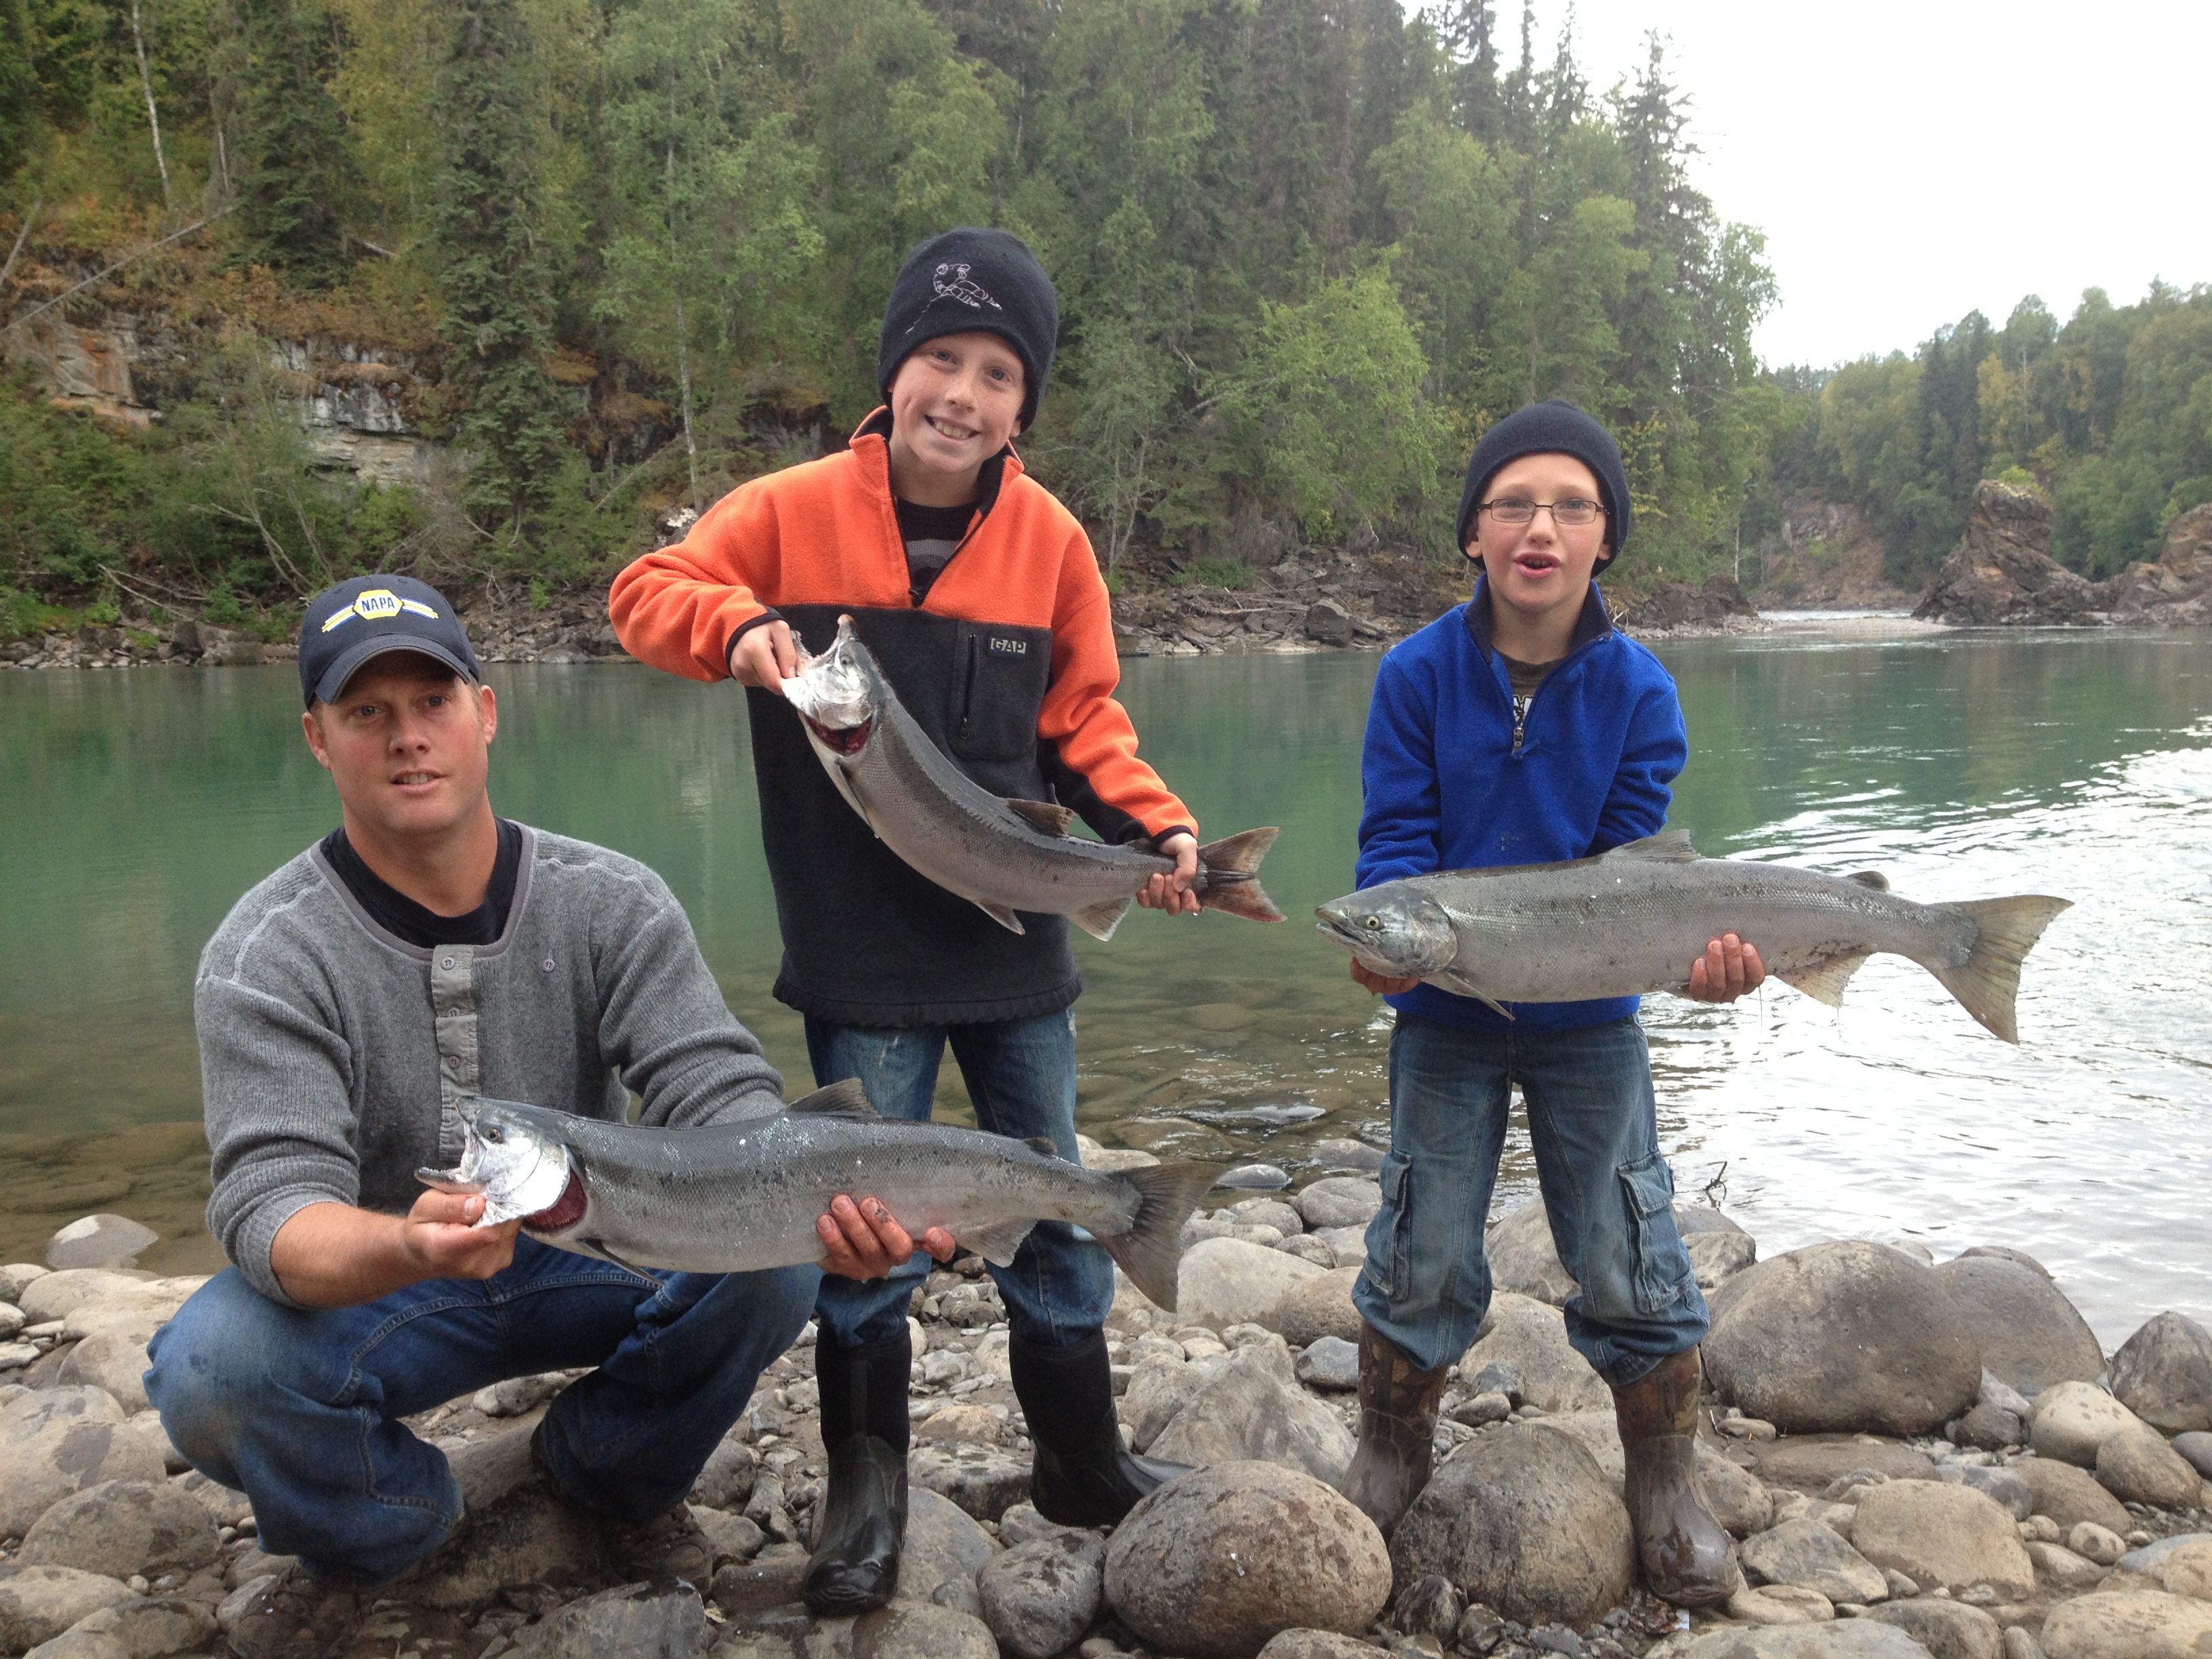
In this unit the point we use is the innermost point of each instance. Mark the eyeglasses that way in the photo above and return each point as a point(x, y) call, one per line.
point(1511, 510)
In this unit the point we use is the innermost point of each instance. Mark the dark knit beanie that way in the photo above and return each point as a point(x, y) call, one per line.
point(973, 282)
point(1550, 428)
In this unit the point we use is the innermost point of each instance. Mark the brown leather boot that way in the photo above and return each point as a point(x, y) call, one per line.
point(1398, 1405)
point(1688, 1557)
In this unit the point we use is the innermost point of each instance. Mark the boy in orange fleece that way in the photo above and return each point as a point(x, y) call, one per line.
point(980, 597)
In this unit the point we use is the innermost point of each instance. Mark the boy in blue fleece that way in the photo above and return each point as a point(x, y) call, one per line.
point(1517, 729)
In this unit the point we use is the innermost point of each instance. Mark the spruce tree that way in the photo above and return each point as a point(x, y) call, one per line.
point(496, 278)
point(299, 172)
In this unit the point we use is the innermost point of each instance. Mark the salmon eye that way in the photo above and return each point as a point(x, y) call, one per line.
point(1374, 924)
point(493, 1133)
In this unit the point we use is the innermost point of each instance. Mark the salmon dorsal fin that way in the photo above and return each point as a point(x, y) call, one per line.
point(1044, 816)
point(1667, 846)
point(845, 1099)
point(1873, 879)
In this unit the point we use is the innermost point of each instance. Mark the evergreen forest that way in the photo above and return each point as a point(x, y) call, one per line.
point(623, 254)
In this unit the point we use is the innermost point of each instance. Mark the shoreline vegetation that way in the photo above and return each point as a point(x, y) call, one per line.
point(497, 293)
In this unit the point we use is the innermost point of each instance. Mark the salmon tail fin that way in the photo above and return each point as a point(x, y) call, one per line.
point(1989, 980)
point(1229, 871)
point(1151, 1251)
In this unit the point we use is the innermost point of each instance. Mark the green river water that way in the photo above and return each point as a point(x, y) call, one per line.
point(136, 806)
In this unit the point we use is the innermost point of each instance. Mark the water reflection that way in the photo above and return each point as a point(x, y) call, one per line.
point(134, 808)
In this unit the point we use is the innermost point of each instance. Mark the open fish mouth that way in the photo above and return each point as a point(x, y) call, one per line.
point(842, 739)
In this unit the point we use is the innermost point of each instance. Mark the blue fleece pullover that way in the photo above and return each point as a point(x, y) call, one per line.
point(1448, 788)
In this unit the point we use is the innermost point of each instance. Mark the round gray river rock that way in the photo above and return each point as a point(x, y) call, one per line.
point(2163, 1373)
point(1949, 1629)
point(1040, 1597)
point(1531, 1338)
point(1807, 1553)
point(650, 1622)
point(121, 1527)
point(1842, 1336)
point(1252, 1409)
point(1212, 1565)
point(944, 1550)
point(1228, 1281)
point(1331, 1363)
point(2138, 1466)
point(1320, 1307)
point(918, 1629)
point(2072, 1419)
point(1939, 1535)
point(1848, 1638)
point(57, 1441)
point(1522, 1519)
point(1339, 1202)
point(2128, 1625)
point(2196, 1447)
point(99, 1241)
point(2068, 1495)
point(2029, 1334)
point(38, 1603)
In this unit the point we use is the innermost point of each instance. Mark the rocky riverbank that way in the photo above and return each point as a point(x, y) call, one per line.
point(1919, 1459)
point(2001, 572)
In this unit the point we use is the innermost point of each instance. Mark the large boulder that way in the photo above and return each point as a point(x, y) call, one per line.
point(2138, 1466)
point(2029, 1334)
point(1735, 1497)
point(113, 1360)
point(2163, 1373)
point(945, 1548)
point(38, 1604)
point(2068, 1495)
point(1158, 1390)
point(2177, 591)
point(121, 1527)
point(1938, 1534)
point(55, 1295)
point(1317, 1307)
point(1039, 1598)
point(906, 1630)
point(1214, 1564)
point(1252, 1410)
point(1523, 1258)
point(2002, 571)
point(57, 1441)
point(2072, 1419)
point(1842, 1336)
point(1522, 1519)
point(1531, 1337)
point(1231, 1281)
point(983, 1480)
point(2144, 1623)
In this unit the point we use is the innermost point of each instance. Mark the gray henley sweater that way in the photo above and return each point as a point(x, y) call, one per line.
point(332, 1054)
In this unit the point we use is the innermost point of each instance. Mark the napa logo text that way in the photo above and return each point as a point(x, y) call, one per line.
point(377, 605)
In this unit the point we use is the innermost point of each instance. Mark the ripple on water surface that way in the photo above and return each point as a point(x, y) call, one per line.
point(136, 807)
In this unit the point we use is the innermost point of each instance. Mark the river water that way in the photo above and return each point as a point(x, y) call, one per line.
point(134, 807)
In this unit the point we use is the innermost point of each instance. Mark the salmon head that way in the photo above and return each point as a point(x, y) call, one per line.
point(1392, 931)
point(522, 1171)
point(838, 695)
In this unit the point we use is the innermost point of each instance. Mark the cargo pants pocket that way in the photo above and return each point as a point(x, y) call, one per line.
point(1663, 1261)
point(1390, 1235)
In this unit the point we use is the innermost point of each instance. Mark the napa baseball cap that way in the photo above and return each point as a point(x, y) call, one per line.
point(368, 616)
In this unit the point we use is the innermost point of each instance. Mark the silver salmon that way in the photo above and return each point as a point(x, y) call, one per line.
point(739, 1197)
point(1632, 920)
point(1005, 856)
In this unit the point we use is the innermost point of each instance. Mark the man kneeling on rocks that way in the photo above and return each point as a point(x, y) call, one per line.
point(425, 953)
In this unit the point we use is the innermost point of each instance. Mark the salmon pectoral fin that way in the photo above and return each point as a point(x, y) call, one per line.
point(1824, 981)
point(997, 1242)
point(1228, 875)
point(1102, 919)
point(1987, 983)
point(1151, 1249)
point(1006, 918)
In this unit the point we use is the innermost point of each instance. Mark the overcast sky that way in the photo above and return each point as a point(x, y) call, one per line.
point(1911, 160)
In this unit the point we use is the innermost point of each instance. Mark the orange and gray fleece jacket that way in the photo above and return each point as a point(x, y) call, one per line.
point(1006, 660)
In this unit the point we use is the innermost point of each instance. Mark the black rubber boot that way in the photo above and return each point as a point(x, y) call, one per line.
point(855, 1564)
point(1688, 1557)
point(1398, 1403)
point(1082, 1473)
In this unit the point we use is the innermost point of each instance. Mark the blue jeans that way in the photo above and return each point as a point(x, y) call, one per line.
point(1606, 1191)
point(300, 1409)
point(1021, 1075)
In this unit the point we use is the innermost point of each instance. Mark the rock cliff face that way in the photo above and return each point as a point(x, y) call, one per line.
point(1825, 556)
point(2001, 572)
